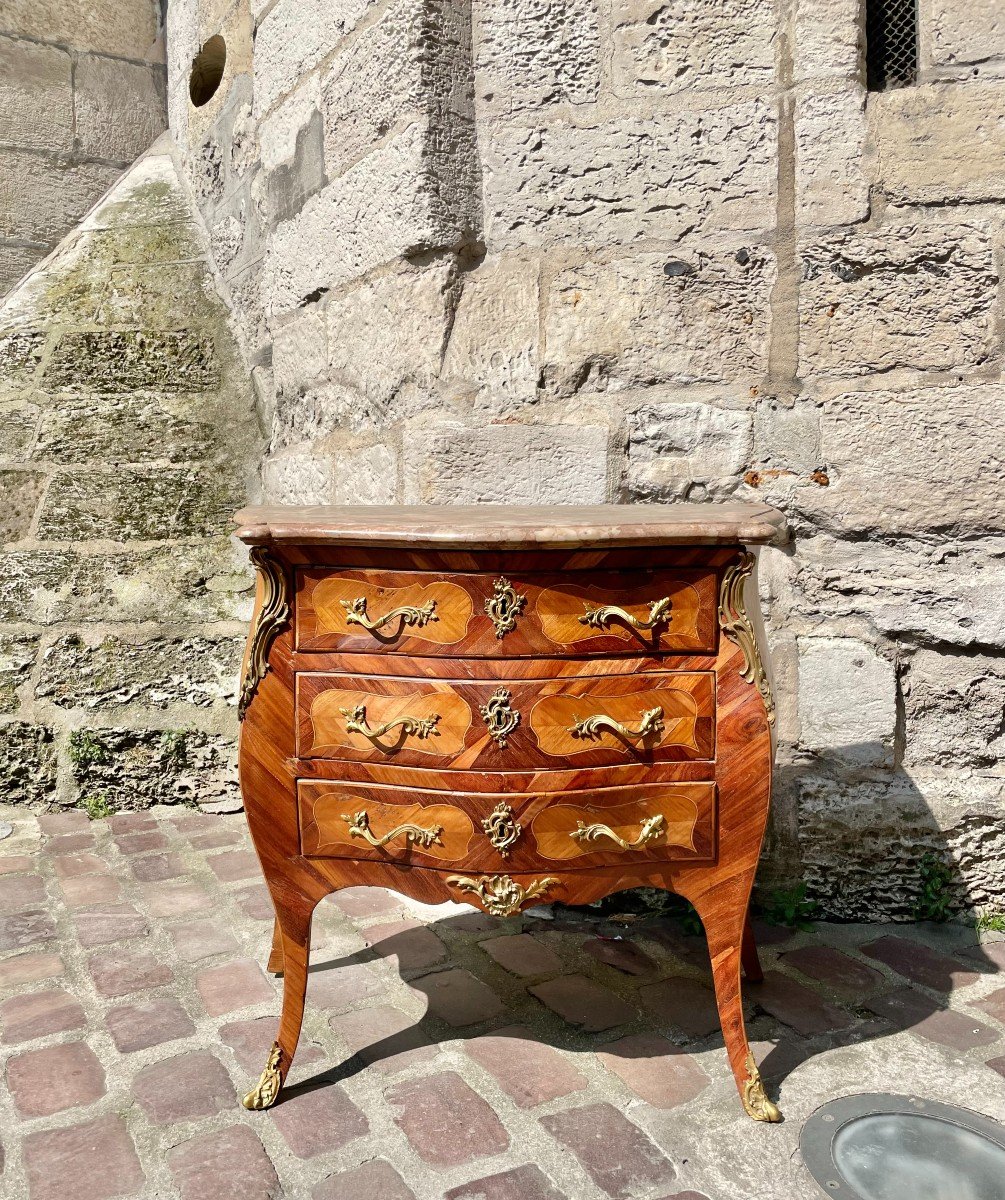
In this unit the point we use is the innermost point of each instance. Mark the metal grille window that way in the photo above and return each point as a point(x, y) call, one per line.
point(891, 40)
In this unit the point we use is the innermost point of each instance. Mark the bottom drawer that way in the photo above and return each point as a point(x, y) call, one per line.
point(662, 822)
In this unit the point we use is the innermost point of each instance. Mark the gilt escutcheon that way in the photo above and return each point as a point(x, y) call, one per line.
point(499, 716)
point(504, 606)
point(502, 828)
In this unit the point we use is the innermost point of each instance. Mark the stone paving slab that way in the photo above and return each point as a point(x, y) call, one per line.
point(446, 1056)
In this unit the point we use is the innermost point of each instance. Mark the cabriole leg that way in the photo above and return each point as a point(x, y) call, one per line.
point(275, 963)
point(725, 929)
point(293, 923)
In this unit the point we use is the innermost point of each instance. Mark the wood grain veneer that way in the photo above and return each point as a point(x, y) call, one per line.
point(569, 758)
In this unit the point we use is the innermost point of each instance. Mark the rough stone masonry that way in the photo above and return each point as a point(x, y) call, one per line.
point(589, 250)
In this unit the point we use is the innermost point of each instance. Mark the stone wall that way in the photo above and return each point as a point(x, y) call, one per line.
point(81, 95)
point(130, 438)
point(645, 250)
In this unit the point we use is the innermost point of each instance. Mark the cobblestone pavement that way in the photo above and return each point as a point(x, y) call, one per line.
point(445, 1055)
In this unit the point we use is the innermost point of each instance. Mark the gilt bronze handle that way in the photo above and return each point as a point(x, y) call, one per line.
point(355, 614)
point(359, 826)
point(413, 726)
point(650, 831)
point(600, 618)
point(593, 727)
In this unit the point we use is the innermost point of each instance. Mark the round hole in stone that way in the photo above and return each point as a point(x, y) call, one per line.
point(207, 71)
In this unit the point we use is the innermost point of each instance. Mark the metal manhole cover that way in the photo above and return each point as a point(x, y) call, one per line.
point(881, 1147)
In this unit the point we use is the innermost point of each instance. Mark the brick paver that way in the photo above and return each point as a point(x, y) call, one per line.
point(530, 1072)
point(224, 1164)
point(446, 1121)
point(614, 1152)
point(146, 1023)
point(98, 1156)
point(36, 1014)
point(445, 1055)
point(43, 1082)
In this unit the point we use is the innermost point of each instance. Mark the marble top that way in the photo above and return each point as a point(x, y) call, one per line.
point(507, 526)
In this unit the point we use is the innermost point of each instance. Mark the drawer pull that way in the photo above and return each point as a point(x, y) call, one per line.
point(411, 726)
point(650, 831)
point(594, 727)
point(500, 895)
point(359, 826)
point(355, 614)
point(600, 618)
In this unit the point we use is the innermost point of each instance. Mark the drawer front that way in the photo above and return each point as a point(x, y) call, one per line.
point(468, 831)
point(585, 721)
point(599, 613)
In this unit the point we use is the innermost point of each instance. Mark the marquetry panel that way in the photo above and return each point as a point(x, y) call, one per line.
point(627, 612)
point(341, 822)
point(673, 822)
point(455, 725)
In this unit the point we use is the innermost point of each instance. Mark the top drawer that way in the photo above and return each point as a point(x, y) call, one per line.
point(481, 615)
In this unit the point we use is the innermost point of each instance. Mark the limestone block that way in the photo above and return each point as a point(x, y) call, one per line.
point(847, 701)
point(120, 107)
point(904, 462)
point(533, 53)
point(669, 48)
point(291, 184)
point(150, 504)
point(631, 177)
point(156, 295)
point(136, 768)
point(970, 32)
point(492, 351)
point(360, 107)
point(954, 706)
point(679, 450)
point(367, 475)
point(61, 192)
point(20, 354)
point(178, 584)
point(27, 763)
point(17, 657)
point(862, 844)
point(21, 492)
point(110, 672)
point(831, 186)
point(299, 477)
point(300, 350)
point(117, 27)
point(19, 422)
point(388, 334)
point(126, 361)
point(277, 133)
point(117, 429)
point(911, 296)
point(294, 37)
point(697, 315)
point(924, 590)
point(940, 143)
point(16, 261)
point(787, 437)
point(829, 41)
point(506, 464)
point(147, 194)
point(36, 97)
point(383, 207)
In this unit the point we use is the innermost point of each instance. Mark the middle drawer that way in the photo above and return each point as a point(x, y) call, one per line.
point(587, 721)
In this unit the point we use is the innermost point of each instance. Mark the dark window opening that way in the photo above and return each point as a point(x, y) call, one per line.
point(891, 44)
point(207, 71)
